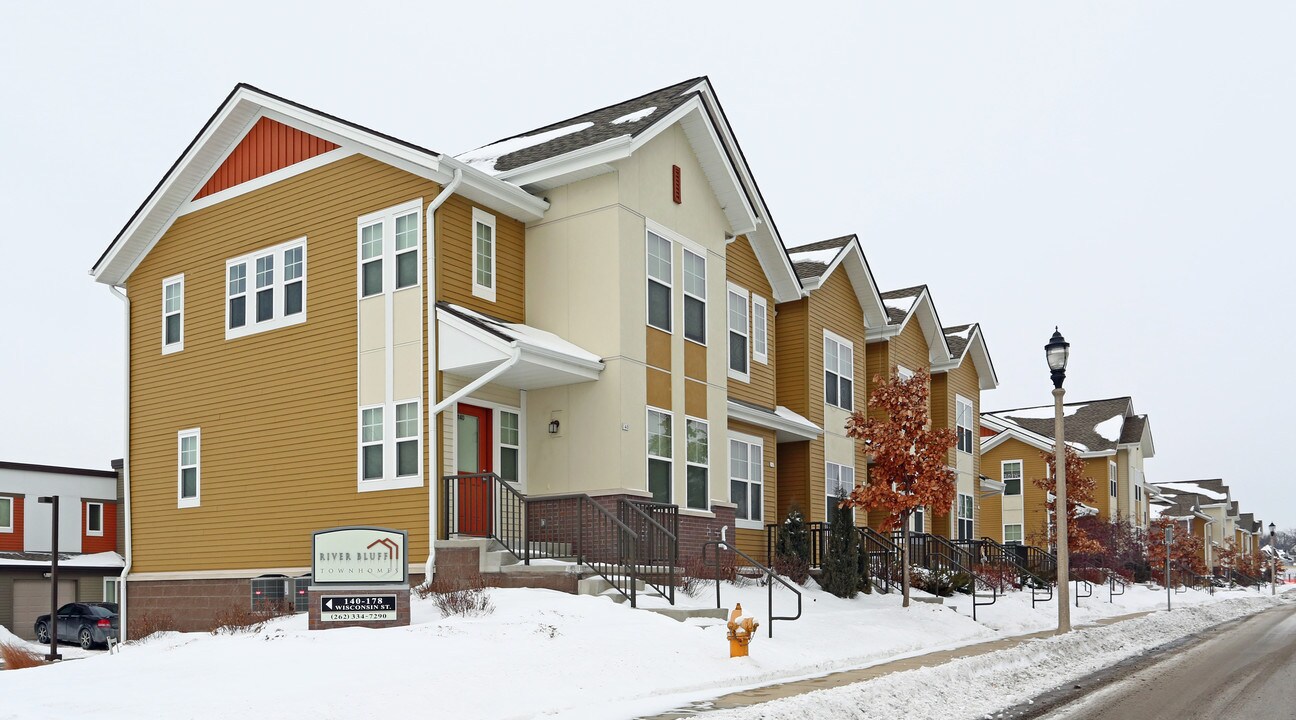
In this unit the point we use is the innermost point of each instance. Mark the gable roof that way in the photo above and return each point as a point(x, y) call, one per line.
point(237, 115)
point(902, 306)
point(816, 262)
point(587, 145)
point(965, 340)
point(1095, 426)
point(1208, 492)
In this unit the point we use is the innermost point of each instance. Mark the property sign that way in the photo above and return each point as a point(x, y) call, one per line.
point(338, 608)
point(359, 556)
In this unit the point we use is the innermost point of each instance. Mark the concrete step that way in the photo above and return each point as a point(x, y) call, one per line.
point(934, 600)
point(682, 614)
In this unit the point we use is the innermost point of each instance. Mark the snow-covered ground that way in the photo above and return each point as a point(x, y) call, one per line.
point(540, 653)
point(66, 650)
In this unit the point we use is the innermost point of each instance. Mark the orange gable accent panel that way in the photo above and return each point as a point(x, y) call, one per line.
point(267, 147)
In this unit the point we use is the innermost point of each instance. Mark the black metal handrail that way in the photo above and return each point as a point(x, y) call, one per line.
point(878, 550)
point(1088, 590)
point(770, 578)
point(654, 542)
point(1112, 581)
point(940, 557)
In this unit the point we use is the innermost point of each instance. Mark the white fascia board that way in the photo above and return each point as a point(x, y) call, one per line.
point(931, 325)
point(771, 421)
point(1034, 441)
point(866, 289)
point(608, 151)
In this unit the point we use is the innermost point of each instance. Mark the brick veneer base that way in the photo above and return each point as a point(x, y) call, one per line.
point(184, 605)
point(402, 606)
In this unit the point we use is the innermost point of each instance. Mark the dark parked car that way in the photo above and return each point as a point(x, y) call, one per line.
point(86, 624)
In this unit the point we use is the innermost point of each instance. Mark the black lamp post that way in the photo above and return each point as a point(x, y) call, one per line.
point(52, 627)
point(1273, 559)
point(1056, 352)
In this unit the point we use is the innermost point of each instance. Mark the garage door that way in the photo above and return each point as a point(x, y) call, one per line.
point(32, 599)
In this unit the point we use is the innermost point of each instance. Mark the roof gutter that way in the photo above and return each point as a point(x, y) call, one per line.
point(126, 486)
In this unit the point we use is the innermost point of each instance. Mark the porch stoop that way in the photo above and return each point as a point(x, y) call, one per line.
point(598, 586)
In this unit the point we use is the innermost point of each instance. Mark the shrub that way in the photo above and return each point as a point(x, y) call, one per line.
point(841, 556)
point(467, 598)
point(1001, 577)
point(239, 619)
point(148, 624)
point(17, 657)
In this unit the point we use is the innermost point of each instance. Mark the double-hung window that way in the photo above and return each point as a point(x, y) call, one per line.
point(963, 423)
point(94, 519)
point(390, 242)
point(660, 452)
point(173, 314)
point(371, 443)
point(738, 333)
point(1012, 534)
point(371, 260)
point(483, 255)
point(1111, 481)
point(839, 371)
point(659, 281)
point(266, 289)
point(697, 463)
point(6, 514)
point(407, 250)
point(694, 297)
point(189, 476)
point(840, 482)
point(408, 422)
point(918, 520)
point(746, 480)
point(760, 329)
point(510, 445)
point(966, 523)
point(1138, 493)
point(1011, 472)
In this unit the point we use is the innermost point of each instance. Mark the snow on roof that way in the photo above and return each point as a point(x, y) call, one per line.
point(1111, 427)
point(958, 337)
point(1192, 487)
point(635, 116)
point(527, 335)
point(485, 157)
point(1090, 426)
point(899, 303)
point(793, 416)
point(90, 560)
point(824, 255)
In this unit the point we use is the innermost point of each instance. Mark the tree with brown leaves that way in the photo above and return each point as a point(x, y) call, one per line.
point(1185, 550)
point(1080, 491)
point(910, 466)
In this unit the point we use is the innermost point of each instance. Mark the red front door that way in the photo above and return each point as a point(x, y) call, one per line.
point(475, 453)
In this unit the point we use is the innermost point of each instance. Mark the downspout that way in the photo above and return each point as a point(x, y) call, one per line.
point(434, 482)
point(126, 488)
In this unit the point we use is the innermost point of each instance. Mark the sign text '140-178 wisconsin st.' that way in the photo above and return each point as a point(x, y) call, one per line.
point(339, 608)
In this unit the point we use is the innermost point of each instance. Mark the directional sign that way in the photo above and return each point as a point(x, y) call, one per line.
point(340, 608)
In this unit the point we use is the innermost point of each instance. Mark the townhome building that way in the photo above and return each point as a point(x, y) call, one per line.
point(1215, 500)
point(1108, 435)
point(956, 404)
point(331, 326)
point(1184, 508)
point(90, 535)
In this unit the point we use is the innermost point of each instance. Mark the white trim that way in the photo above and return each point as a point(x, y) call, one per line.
point(745, 299)
point(750, 441)
point(238, 574)
point(1021, 480)
point(178, 345)
point(840, 467)
point(270, 178)
point(904, 373)
point(706, 498)
point(684, 251)
point(841, 342)
point(88, 531)
point(278, 313)
point(670, 484)
point(496, 454)
point(669, 282)
point(1113, 476)
point(772, 420)
point(116, 582)
point(1021, 531)
point(481, 217)
point(759, 356)
point(8, 499)
point(196, 500)
point(960, 400)
point(958, 518)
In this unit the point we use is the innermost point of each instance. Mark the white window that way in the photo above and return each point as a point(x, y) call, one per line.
point(6, 514)
point(390, 243)
point(510, 445)
point(371, 443)
point(483, 255)
point(273, 282)
point(1011, 472)
point(963, 423)
point(746, 480)
point(1111, 480)
point(1138, 493)
point(1012, 534)
point(903, 372)
point(112, 589)
point(966, 519)
point(659, 281)
point(840, 482)
point(694, 297)
point(760, 329)
point(839, 371)
point(408, 451)
point(738, 334)
point(697, 463)
point(173, 314)
point(94, 519)
point(918, 520)
point(189, 479)
point(660, 452)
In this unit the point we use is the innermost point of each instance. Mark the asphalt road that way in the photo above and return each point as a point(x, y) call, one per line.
point(1245, 671)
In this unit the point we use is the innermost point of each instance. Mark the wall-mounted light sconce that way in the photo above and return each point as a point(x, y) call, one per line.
point(553, 427)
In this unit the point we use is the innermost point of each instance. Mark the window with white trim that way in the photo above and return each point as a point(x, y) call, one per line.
point(266, 289)
point(1111, 479)
point(746, 480)
point(1012, 534)
point(966, 517)
point(738, 333)
point(697, 463)
point(839, 371)
point(963, 423)
point(6, 514)
point(112, 589)
point(694, 297)
point(659, 281)
point(189, 475)
point(483, 254)
point(1138, 493)
point(918, 520)
point(94, 519)
point(760, 329)
point(173, 314)
point(390, 242)
point(839, 483)
point(1011, 472)
point(408, 452)
point(660, 453)
point(510, 445)
point(371, 443)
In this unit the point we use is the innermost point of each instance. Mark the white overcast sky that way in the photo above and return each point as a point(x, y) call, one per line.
point(1123, 170)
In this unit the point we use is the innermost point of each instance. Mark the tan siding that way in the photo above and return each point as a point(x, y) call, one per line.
point(878, 369)
point(793, 356)
point(752, 542)
point(454, 239)
point(659, 349)
point(989, 516)
point(695, 399)
point(659, 388)
point(745, 270)
point(793, 467)
point(277, 409)
point(1097, 469)
point(909, 348)
point(695, 361)
point(1034, 514)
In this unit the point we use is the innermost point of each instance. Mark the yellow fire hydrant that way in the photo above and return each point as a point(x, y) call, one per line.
point(741, 631)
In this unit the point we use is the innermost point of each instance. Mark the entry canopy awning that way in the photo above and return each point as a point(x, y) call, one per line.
point(471, 344)
point(787, 425)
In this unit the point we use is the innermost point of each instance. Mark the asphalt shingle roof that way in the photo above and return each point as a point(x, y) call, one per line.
point(899, 303)
point(957, 338)
point(810, 261)
point(1080, 421)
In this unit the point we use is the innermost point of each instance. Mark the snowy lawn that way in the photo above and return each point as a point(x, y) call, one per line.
point(539, 653)
point(68, 651)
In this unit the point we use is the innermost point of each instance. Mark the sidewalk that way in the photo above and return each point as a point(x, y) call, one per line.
point(759, 695)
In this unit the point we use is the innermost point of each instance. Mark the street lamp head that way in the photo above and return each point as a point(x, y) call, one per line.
point(1272, 529)
point(1056, 352)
